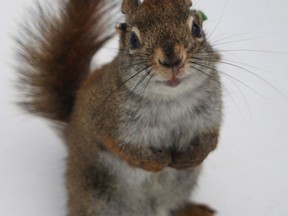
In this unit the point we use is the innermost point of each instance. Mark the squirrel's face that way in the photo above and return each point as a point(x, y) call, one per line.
point(165, 51)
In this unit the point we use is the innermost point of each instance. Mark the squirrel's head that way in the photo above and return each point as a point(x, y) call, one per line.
point(164, 47)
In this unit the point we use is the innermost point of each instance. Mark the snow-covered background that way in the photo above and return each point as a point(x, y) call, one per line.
point(246, 176)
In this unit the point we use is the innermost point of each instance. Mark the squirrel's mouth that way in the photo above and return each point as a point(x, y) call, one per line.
point(171, 78)
point(173, 82)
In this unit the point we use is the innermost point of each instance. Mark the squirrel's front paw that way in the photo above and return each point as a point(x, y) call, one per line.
point(148, 158)
point(195, 153)
point(186, 159)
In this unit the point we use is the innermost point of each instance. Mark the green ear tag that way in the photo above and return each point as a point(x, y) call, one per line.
point(203, 16)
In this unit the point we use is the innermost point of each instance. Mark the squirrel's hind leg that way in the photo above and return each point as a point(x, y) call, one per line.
point(192, 209)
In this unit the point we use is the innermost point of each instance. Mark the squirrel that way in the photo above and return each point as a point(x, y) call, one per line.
point(137, 129)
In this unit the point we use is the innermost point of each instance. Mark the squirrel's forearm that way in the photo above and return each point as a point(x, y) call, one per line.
point(155, 160)
point(139, 156)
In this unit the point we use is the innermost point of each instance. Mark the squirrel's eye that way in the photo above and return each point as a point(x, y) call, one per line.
point(196, 30)
point(134, 41)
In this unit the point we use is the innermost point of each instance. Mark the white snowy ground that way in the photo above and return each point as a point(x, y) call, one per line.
point(246, 176)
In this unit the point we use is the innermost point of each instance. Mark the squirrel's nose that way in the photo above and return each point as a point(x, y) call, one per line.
point(170, 62)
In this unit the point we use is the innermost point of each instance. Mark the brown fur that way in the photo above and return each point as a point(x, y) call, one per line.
point(96, 106)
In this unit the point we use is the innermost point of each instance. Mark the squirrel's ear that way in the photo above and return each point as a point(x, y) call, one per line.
point(121, 29)
point(129, 6)
point(200, 17)
point(188, 2)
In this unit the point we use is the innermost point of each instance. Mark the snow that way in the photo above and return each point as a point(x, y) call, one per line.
point(246, 175)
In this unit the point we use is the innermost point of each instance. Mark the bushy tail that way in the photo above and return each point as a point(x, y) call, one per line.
point(55, 52)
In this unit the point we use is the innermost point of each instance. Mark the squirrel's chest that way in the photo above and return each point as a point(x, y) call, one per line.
point(168, 124)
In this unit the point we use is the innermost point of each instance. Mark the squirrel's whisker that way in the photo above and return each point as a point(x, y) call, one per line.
point(246, 70)
point(138, 83)
point(124, 82)
point(230, 76)
point(222, 86)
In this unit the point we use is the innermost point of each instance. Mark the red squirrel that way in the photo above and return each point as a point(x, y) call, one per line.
point(137, 129)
